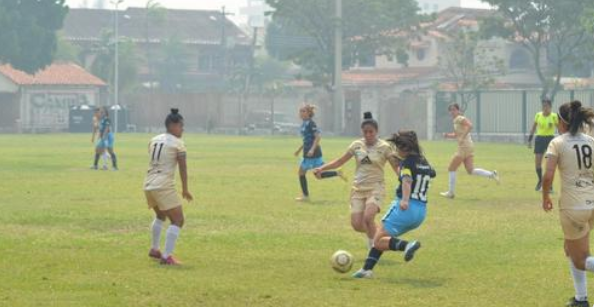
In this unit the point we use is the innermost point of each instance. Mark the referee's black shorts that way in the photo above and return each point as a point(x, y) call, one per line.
point(541, 143)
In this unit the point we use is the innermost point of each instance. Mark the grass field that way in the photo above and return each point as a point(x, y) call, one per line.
point(70, 236)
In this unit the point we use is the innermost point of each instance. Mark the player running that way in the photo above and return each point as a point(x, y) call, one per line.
point(571, 152)
point(408, 209)
point(545, 123)
point(166, 151)
point(106, 140)
point(368, 191)
point(465, 153)
point(312, 151)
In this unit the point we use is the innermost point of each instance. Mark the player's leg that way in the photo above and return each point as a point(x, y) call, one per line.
point(176, 216)
point(538, 168)
point(373, 256)
point(98, 152)
point(303, 184)
point(156, 227)
point(471, 170)
point(110, 144)
point(580, 260)
point(456, 161)
point(371, 210)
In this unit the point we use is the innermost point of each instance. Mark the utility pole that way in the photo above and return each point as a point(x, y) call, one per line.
point(338, 97)
point(116, 73)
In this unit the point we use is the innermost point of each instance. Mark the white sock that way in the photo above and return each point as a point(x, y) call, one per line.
point(105, 158)
point(481, 172)
point(580, 282)
point(156, 234)
point(590, 264)
point(170, 238)
point(452, 182)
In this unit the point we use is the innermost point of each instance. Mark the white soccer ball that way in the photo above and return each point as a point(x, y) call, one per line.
point(342, 261)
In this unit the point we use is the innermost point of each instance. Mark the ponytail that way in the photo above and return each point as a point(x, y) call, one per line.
point(575, 116)
point(368, 120)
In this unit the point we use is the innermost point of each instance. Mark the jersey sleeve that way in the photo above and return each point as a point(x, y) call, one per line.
point(352, 148)
point(536, 116)
point(313, 128)
point(181, 148)
point(406, 168)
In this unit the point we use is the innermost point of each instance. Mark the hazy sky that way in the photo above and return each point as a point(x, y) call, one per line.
point(231, 5)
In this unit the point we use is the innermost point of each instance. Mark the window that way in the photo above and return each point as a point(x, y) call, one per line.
point(421, 54)
point(519, 59)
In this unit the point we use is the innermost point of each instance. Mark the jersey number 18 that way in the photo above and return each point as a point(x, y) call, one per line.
point(584, 156)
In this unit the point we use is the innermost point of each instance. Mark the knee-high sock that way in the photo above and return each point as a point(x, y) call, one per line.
point(539, 173)
point(580, 282)
point(452, 182)
point(372, 258)
point(156, 233)
point(170, 239)
point(329, 174)
point(481, 172)
point(397, 244)
point(105, 156)
point(97, 156)
point(303, 182)
point(114, 160)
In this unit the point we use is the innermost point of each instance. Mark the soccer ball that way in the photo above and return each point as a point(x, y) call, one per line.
point(342, 261)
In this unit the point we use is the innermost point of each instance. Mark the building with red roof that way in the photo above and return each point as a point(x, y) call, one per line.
point(42, 102)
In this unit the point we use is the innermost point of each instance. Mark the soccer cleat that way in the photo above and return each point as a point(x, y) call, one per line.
point(170, 261)
point(410, 250)
point(302, 199)
point(496, 177)
point(155, 253)
point(575, 303)
point(447, 194)
point(115, 169)
point(363, 274)
point(94, 167)
point(342, 175)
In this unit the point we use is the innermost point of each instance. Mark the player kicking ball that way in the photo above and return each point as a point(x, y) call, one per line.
point(166, 152)
point(408, 209)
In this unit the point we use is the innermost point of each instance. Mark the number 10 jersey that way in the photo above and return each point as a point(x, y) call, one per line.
point(420, 172)
point(574, 160)
point(164, 149)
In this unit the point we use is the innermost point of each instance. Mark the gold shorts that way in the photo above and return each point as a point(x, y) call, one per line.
point(164, 200)
point(464, 152)
point(576, 223)
point(360, 200)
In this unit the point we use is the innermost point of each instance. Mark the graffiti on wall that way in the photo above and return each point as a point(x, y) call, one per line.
point(50, 110)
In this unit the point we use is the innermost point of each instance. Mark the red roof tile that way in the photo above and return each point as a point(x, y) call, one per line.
point(55, 74)
point(385, 76)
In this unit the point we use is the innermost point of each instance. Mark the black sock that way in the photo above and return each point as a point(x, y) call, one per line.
point(329, 174)
point(372, 258)
point(539, 174)
point(303, 182)
point(397, 244)
point(114, 160)
point(96, 159)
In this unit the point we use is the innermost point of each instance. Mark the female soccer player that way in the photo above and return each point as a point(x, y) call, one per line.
point(368, 189)
point(106, 140)
point(166, 151)
point(408, 209)
point(571, 152)
point(465, 153)
point(96, 119)
point(312, 151)
point(545, 123)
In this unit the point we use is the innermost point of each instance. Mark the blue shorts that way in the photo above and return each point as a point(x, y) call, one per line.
point(311, 163)
point(397, 222)
point(106, 142)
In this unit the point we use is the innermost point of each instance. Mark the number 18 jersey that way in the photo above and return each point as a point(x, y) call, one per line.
point(574, 160)
point(163, 152)
point(421, 173)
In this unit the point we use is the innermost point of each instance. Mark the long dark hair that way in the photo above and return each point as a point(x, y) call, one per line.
point(407, 140)
point(574, 115)
point(368, 120)
point(173, 118)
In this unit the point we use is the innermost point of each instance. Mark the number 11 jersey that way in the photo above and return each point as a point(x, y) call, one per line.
point(164, 149)
point(574, 160)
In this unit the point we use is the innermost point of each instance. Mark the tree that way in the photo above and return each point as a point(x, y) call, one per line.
point(67, 51)
point(550, 31)
point(104, 64)
point(172, 65)
point(468, 65)
point(28, 32)
point(302, 31)
point(156, 15)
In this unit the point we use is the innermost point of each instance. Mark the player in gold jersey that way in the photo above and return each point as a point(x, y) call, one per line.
point(465, 153)
point(571, 152)
point(166, 152)
point(368, 190)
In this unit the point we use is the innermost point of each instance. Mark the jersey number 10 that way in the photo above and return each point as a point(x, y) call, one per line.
point(421, 186)
point(584, 156)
